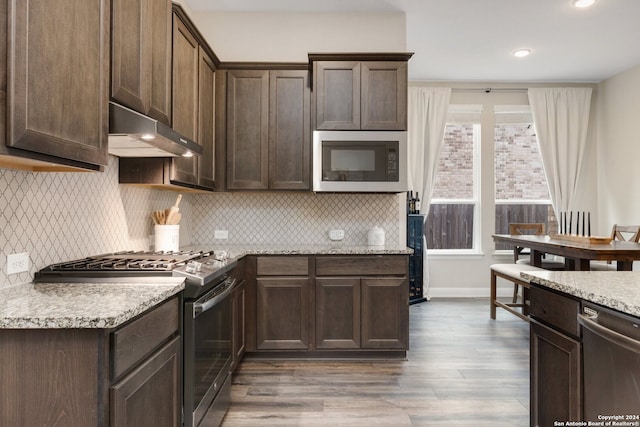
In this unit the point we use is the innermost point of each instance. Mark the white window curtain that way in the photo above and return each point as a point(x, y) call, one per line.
point(427, 117)
point(561, 119)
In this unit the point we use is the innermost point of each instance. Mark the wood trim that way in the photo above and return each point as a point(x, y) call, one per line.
point(361, 56)
point(178, 10)
point(265, 66)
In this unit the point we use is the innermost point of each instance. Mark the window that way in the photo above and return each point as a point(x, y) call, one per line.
point(453, 214)
point(521, 191)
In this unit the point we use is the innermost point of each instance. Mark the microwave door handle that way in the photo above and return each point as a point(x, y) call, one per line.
point(201, 307)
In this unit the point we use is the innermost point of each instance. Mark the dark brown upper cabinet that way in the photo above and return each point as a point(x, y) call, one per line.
point(186, 64)
point(360, 91)
point(193, 104)
point(268, 129)
point(141, 56)
point(54, 84)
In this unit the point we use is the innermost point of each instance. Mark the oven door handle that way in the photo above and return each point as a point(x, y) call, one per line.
point(208, 302)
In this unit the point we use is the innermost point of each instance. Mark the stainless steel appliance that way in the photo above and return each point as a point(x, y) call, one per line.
point(132, 134)
point(611, 348)
point(207, 324)
point(360, 161)
point(207, 356)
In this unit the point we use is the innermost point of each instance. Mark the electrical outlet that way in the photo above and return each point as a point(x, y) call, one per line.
point(17, 263)
point(221, 234)
point(336, 234)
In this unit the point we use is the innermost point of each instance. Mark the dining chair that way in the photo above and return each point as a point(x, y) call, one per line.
point(623, 233)
point(531, 228)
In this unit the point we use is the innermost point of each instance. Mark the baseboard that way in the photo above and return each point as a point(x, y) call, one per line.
point(467, 292)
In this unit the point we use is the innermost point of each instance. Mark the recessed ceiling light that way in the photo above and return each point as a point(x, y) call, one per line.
point(521, 53)
point(583, 3)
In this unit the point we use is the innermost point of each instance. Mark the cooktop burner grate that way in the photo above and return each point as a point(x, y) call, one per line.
point(130, 261)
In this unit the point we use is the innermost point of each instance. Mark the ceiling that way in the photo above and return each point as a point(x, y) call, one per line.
point(472, 40)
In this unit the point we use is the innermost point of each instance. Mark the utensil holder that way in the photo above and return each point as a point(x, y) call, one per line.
point(167, 237)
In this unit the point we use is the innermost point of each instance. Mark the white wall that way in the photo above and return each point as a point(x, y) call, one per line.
point(289, 37)
point(619, 149)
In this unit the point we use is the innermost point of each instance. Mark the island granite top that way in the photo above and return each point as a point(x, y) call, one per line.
point(81, 305)
point(619, 290)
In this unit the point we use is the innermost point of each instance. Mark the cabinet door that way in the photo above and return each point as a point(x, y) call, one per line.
point(186, 60)
point(555, 376)
point(238, 316)
point(338, 313)
point(337, 87)
point(141, 56)
point(58, 87)
point(385, 313)
point(282, 313)
point(289, 130)
point(247, 129)
point(206, 120)
point(151, 394)
point(384, 95)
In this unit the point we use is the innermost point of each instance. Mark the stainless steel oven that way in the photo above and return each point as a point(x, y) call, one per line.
point(207, 356)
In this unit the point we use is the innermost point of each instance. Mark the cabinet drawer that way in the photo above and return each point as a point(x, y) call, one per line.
point(362, 265)
point(282, 266)
point(556, 310)
point(139, 338)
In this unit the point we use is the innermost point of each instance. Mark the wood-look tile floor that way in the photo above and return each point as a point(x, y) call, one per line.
point(462, 369)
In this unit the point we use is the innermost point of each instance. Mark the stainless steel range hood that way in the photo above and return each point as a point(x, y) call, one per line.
point(132, 134)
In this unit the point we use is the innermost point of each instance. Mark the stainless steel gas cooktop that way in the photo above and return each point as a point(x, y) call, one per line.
point(201, 269)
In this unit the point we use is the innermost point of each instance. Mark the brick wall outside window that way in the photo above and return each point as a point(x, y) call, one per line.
point(518, 166)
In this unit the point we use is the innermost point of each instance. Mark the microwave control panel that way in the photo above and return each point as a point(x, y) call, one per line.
point(392, 164)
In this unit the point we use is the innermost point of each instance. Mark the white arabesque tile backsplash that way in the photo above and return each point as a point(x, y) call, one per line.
point(294, 218)
point(56, 217)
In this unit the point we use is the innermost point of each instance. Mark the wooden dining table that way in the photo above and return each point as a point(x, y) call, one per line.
point(577, 255)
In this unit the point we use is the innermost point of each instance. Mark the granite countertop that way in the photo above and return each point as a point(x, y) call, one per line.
point(238, 251)
point(81, 305)
point(619, 290)
point(107, 305)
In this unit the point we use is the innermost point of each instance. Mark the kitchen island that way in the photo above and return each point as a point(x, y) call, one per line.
point(619, 290)
point(584, 346)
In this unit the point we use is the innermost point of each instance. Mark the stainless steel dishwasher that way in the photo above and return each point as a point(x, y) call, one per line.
point(611, 346)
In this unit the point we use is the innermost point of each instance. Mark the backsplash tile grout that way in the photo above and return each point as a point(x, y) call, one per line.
point(59, 216)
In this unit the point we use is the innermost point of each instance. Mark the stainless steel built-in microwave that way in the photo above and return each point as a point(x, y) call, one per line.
point(360, 161)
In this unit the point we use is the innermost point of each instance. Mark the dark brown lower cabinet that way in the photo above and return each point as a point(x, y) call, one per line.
point(385, 313)
point(130, 376)
point(238, 339)
point(361, 313)
point(556, 358)
point(148, 396)
point(282, 313)
point(338, 313)
point(327, 305)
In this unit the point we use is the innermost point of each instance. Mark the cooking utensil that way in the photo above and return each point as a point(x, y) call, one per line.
point(175, 219)
point(172, 211)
